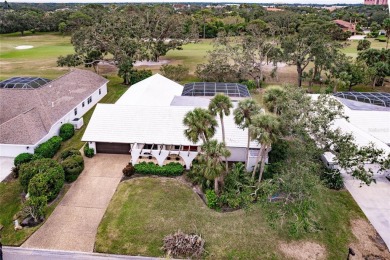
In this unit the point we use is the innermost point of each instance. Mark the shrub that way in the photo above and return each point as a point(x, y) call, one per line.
point(171, 169)
point(88, 152)
point(66, 131)
point(28, 170)
point(177, 73)
point(250, 84)
point(212, 199)
point(128, 170)
point(69, 152)
point(72, 166)
point(139, 75)
point(49, 148)
point(22, 158)
point(332, 179)
point(35, 207)
point(48, 183)
point(363, 45)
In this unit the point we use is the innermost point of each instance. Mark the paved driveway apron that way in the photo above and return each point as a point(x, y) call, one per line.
point(73, 224)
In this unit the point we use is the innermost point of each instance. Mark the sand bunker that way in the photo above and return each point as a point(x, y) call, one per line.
point(24, 47)
point(150, 63)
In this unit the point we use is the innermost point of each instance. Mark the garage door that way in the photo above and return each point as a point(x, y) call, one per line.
point(117, 148)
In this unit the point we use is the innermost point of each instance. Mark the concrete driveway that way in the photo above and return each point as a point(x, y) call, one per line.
point(73, 224)
point(6, 164)
point(374, 202)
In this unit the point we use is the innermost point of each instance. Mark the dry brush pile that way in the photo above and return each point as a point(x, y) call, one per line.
point(184, 245)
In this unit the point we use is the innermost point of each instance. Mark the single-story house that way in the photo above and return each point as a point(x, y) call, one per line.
point(148, 121)
point(34, 109)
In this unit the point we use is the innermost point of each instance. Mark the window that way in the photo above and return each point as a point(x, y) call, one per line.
point(89, 99)
point(75, 111)
point(100, 91)
point(83, 104)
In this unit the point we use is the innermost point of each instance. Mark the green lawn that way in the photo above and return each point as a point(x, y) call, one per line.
point(10, 201)
point(39, 61)
point(144, 210)
point(351, 49)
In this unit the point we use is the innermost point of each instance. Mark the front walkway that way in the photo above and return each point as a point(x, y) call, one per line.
point(73, 224)
point(374, 200)
point(6, 164)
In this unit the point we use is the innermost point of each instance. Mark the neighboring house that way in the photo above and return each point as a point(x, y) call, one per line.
point(148, 121)
point(346, 26)
point(368, 117)
point(34, 109)
point(375, 2)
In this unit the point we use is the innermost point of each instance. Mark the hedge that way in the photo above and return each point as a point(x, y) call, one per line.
point(48, 183)
point(69, 152)
point(72, 166)
point(29, 170)
point(171, 169)
point(49, 148)
point(66, 131)
point(23, 158)
point(88, 152)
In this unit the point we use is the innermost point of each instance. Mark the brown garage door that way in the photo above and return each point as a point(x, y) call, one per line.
point(117, 148)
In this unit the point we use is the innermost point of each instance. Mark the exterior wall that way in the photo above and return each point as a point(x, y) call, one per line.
point(12, 150)
point(237, 154)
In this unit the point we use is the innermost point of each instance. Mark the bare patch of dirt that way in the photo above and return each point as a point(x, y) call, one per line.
point(369, 244)
point(303, 250)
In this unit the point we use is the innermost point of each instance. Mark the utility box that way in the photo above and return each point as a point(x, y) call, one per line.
point(329, 160)
point(77, 123)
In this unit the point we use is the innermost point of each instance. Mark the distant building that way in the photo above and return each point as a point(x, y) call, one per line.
point(346, 26)
point(375, 2)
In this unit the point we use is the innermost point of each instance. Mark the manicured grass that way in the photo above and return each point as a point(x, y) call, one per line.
point(351, 49)
point(144, 210)
point(39, 61)
point(11, 204)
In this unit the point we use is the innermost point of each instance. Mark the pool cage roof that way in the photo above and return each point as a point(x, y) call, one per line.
point(212, 88)
point(23, 82)
point(374, 98)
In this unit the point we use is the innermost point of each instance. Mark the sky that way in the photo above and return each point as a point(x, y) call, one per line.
point(209, 1)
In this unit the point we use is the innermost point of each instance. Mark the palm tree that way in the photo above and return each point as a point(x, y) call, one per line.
point(386, 27)
point(264, 130)
point(274, 98)
point(201, 125)
point(210, 160)
point(243, 115)
point(220, 105)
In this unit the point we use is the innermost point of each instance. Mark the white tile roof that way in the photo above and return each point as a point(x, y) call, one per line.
point(156, 90)
point(151, 124)
point(366, 126)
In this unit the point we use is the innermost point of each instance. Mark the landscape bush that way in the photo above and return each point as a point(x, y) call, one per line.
point(23, 158)
point(212, 199)
point(332, 179)
point(139, 75)
point(88, 152)
point(28, 170)
point(49, 148)
point(73, 166)
point(171, 169)
point(128, 170)
point(69, 152)
point(48, 183)
point(36, 207)
point(177, 73)
point(250, 84)
point(66, 131)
